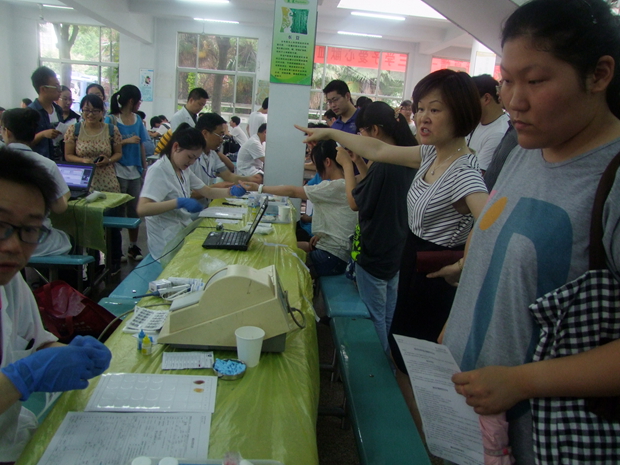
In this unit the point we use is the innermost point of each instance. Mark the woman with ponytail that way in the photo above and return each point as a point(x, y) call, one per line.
point(379, 194)
point(165, 199)
point(123, 106)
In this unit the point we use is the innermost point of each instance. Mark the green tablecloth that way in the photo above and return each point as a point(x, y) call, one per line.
point(84, 221)
point(268, 414)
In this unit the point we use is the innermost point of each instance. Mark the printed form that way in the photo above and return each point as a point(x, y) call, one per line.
point(451, 426)
point(117, 438)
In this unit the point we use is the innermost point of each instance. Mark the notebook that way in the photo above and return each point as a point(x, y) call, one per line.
point(78, 177)
point(234, 240)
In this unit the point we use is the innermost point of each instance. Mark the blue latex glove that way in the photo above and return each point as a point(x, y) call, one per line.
point(59, 369)
point(191, 205)
point(237, 190)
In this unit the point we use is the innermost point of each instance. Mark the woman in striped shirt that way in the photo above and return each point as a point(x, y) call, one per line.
point(445, 198)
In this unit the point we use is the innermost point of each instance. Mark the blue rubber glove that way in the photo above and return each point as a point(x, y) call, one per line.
point(237, 190)
point(191, 205)
point(59, 369)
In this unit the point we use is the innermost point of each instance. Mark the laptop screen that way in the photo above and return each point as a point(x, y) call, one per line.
point(78, 175)
point(259, 215)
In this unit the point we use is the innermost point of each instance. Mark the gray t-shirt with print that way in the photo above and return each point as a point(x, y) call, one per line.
point(531, 238)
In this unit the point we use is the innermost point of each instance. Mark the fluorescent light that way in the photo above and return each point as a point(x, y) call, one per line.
point(359, 34)
point(377, 15)
point(206, 1)
point(59, 7)
point(395, 7)
point(216, 20)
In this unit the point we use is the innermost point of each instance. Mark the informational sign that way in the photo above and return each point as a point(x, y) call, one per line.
point(294, 32)
point(146, 84)
point(389, 61)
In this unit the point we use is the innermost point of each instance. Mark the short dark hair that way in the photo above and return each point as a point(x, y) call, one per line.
point(578, 32)
point(163, 117)
point(363, 101)
point(337, 86)
point(236, 120)
point(26, 101)
point(187, 137)
point(486, 84)
point(265, 104)
point(41, 76)
point(22, 122)
point(155, 120)
point(64, 89)
point(197, 93)
point(27, 172)
point(262, 128)
point(2, 109)
point(98, 86)
point(209, 121)
point(382, 115)
point(94, 100)
point(141, 114)
point(330, 114)
point(323, 150)
point(459, 94)
point(406, 103)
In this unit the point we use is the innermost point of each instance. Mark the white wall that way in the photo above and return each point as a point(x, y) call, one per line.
point(135, 55)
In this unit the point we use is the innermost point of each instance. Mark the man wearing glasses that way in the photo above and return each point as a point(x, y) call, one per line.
point(31, 359)
point(338, 99)
point(48, 88)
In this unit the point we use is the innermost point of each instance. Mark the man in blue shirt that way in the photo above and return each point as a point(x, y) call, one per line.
point(46, 84)
point(338, 98)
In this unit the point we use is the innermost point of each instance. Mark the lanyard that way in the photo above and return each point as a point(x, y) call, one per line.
point(210, 175)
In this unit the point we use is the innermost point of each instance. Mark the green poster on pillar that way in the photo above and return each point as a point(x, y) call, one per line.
point(294, 33)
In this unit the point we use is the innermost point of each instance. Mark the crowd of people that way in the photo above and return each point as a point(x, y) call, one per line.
point(453, 213)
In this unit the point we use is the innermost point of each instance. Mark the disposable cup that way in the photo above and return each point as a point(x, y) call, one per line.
point(249, 344)
point(284, 212)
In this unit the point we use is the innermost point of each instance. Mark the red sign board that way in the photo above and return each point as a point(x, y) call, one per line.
point(361, 58)
point(458, 65)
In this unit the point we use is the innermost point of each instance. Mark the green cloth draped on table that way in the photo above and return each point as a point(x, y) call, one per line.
point(268, 414)
point(84, 221)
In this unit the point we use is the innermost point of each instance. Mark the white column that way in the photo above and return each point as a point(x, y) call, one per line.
point(482, 60)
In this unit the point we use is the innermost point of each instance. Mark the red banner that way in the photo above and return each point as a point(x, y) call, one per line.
point(458, 65)
point(361, 58)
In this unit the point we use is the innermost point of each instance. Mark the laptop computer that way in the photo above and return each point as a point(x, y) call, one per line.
point(234, 240)
point(78, 177)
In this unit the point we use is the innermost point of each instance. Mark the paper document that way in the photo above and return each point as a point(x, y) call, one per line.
point(451, 426)
point(117, 438)
point(138, 392)
point(186, 360)
point(230, 213)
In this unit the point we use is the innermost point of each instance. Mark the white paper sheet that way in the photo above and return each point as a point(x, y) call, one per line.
point(139, 392)
point(451, 427)
point(232, 213)
point(186, 360)
point(117, 438)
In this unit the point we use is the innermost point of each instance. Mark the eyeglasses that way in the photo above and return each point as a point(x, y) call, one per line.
point(66, 99)
point(334, 99)
point(58, 88)
point(221, 136)
point(27, 234)
point(91, 112)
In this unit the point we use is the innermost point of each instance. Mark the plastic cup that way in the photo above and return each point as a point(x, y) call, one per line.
point(249, 344)
point(284, 212)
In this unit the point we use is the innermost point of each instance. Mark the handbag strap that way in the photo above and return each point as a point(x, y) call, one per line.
point(597, 250)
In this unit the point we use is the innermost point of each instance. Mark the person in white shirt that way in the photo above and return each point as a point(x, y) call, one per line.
point(251, 157)
point(239, 134)
point(31, 360)
point(406, 109)
point(333, 221)
point(196, 101)
point(19, 126)
point(165, 199)
point(258, 118)
point(493, 124)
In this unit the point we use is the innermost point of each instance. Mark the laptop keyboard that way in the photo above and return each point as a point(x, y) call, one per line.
point(232, 238)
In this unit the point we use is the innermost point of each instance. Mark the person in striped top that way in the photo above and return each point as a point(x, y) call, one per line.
point(445, 198)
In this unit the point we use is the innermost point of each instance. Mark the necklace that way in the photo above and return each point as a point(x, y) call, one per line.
point(444, 162)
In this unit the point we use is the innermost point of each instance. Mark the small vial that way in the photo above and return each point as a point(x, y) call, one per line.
point(147, 346)
point(140, 338)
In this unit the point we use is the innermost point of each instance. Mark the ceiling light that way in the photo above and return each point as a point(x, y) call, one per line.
point(359, 34)
point(395, 7)
point(206, 1)
point(377, 15)
point(59, 7)
point(216, 20)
